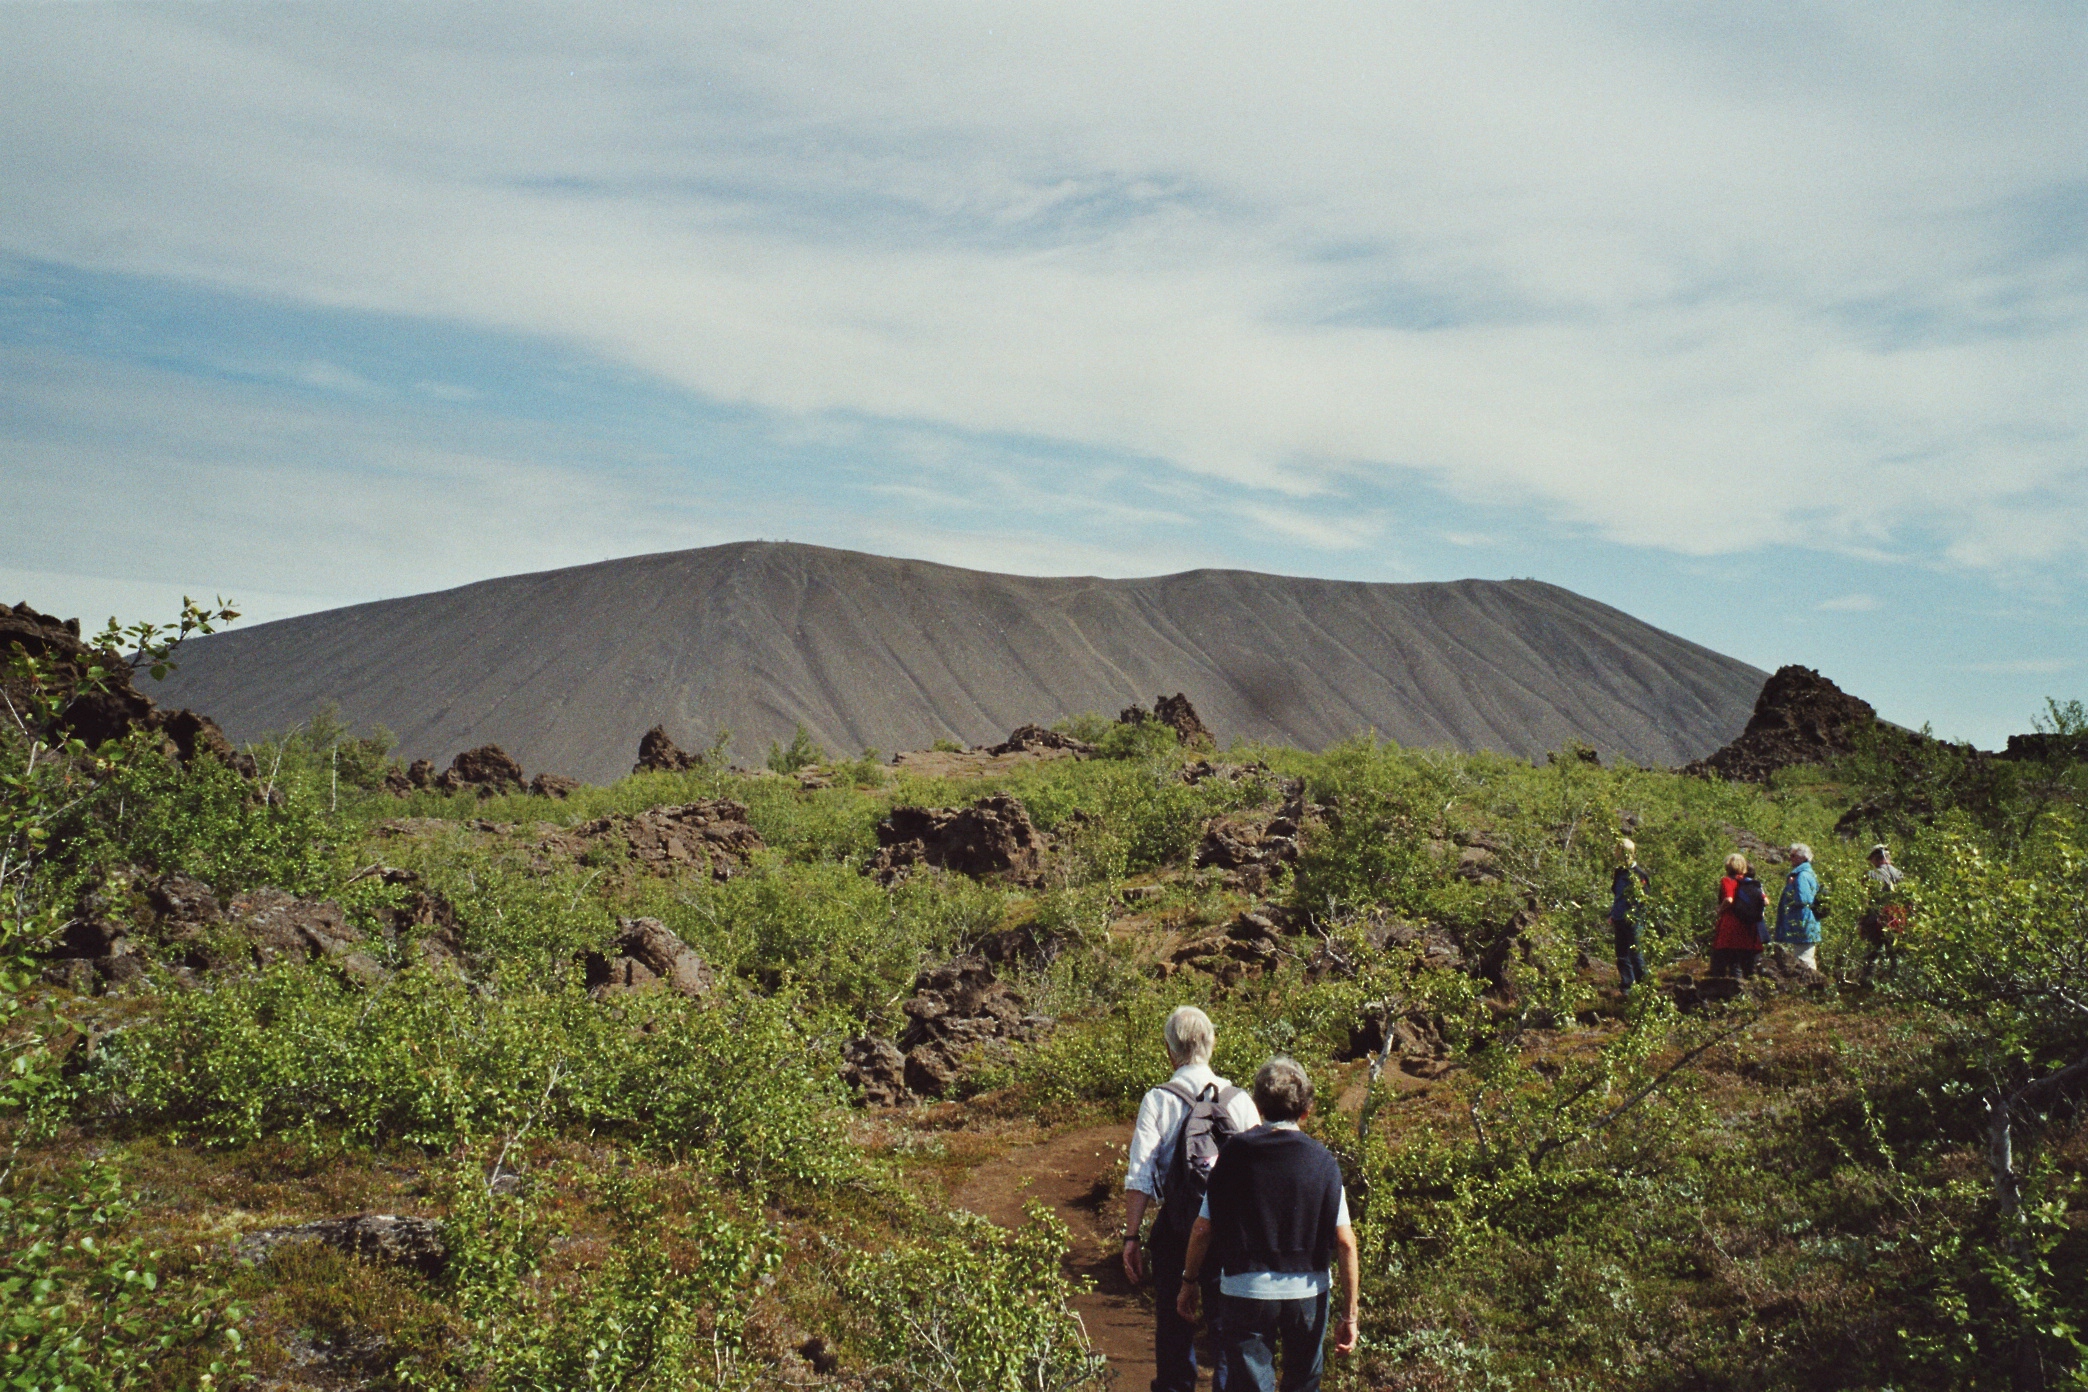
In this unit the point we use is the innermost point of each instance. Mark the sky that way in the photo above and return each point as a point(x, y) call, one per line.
point(1767, 324)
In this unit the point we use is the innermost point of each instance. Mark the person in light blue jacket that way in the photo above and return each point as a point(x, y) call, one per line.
point(1796, 923)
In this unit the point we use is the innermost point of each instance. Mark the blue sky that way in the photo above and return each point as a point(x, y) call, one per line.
point(1767, 324)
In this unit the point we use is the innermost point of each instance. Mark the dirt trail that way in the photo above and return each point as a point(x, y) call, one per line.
point(1075, 1174)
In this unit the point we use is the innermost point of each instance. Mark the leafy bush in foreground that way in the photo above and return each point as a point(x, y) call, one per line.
point(983, 1310)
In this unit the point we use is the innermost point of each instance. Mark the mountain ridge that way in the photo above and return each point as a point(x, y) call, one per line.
point(566, 668)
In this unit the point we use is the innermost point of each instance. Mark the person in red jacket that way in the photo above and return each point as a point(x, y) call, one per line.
point(1736, 949)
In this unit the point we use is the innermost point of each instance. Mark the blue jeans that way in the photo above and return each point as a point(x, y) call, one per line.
point(1631, 963)
point(1174, 1338)
point(1253, 1329)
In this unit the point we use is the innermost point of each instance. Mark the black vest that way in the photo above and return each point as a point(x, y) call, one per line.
point(1274, 1198)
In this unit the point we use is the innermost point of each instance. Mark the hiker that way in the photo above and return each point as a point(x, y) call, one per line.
point(1274, 1215)
point(1180, 1128)
point(1736, 948)
point(1885, 917)
point(1627, 915)
point(1797, 919)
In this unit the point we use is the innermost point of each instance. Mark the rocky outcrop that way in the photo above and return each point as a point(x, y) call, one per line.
point(710, 836)
point(961, 1014)
point(658, 753)
point(1177, 714)
point(387, 1238)
point(1176, 711)
point(1251, 848)
point(487, 770)
point(181, 924)
point(553, 785)
point(1800, 718)
point(1035, 739)
point(281, 926)
point(1410, 1035)
point(1430, 947)
point(114, 708)
point(992, 836)
point(2047, 747)
point(647, 954)
point(1249, 945)
point(876, 1071)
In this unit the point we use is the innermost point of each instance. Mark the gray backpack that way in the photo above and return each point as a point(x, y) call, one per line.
point(1204, 1132)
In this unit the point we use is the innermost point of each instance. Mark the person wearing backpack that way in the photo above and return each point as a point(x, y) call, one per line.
point(1798, 910)
point(1736, 948)
point(1885, 920)
point(1182, 1125)
point(1627, 915)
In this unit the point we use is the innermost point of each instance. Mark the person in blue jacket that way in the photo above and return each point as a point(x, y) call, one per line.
point(1796, 924)
point(1627, 915)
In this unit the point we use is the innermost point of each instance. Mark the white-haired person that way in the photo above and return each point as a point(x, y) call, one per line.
point(1796, 923)
point(1167, 1167)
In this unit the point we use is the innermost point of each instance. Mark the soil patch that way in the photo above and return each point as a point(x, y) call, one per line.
point(1076, 1174)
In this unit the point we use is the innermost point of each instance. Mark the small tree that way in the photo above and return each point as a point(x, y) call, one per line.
point(2000, 944)
point(802, 752)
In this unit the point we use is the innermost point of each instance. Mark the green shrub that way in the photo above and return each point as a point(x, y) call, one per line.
point(983, 1310)
point(1139, 739)
point(84, 1305)
point(205, 821)
point(802, 752)
point(669, 1309)
point(426, 1060)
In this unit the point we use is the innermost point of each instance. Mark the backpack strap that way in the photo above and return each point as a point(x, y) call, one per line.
point(1182, 1090)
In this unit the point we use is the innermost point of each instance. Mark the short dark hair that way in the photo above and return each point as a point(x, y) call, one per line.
point(1282, 1090)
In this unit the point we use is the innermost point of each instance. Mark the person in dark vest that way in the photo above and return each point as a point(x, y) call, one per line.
point(1156, 1140)
point(1628, 888)
point(1274, 1216)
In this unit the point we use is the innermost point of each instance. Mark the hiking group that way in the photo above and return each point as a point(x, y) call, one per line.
point(1745, 927)
point(1252, 1213)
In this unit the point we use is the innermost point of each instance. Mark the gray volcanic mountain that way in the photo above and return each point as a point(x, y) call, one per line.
point(566, 668)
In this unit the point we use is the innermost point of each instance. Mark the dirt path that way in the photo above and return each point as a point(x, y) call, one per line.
point(1075, 1174)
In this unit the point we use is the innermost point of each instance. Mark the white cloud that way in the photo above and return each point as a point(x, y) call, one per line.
point(1602, 261)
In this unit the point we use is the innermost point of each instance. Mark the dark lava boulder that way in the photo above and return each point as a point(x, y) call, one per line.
point(96, 716)
point(1177, 714)
point(961, 1014)
point(487, 770)
point(180, 923)
point(647, 953)
point(658, 753)
point(279, 925)
point(876, 1070)
point(553, 785)
point(386, 1238)
point(992, 836)
point(712, 836)
point(1252, 847)
point(1800, 718)
point(1035, 739)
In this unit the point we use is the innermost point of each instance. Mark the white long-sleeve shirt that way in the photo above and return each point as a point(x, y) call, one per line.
point(1159, 1124)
